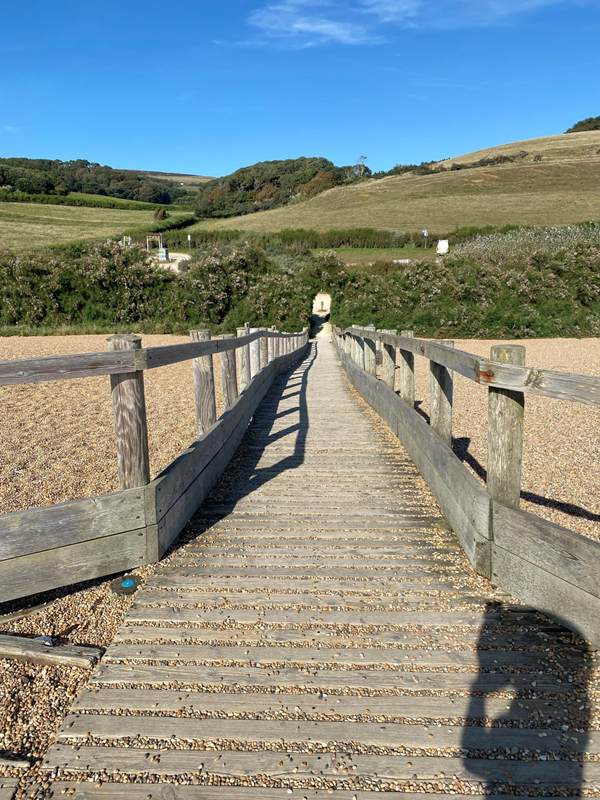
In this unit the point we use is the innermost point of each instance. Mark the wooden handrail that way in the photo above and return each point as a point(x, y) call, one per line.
point(529, 380)
point(87, 365)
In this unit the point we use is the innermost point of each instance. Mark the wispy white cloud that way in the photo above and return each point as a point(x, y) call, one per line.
point(309, 22)
point(306, 23)
point(11, 129)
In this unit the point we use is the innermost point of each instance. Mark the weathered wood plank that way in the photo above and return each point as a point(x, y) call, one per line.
point(58, 368)
point(228, 374)
point(505, 433)
point(329, 656)
point(565, 554)
point(530, 380)
point(38, 529)
point(21, 649)
point(396, 736)
point(38, 572)
point(129, 412)
point(204, 385)
point(314, 705)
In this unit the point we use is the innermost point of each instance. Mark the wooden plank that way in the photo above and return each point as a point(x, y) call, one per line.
point(560, 600)
point(395, 736)
point(441, 387)
point(330, 656)
point(505, 433)
point(314, 705)
point(38, 529)
point(351, 618)
point(39, 572)
point(174, 353)
point(445, 639)
point(129, 412)
point(568, 555)
point(169, 792)
point(302, 680)
point(233, 585)
point(8, 788)
point(204, 386)
point(243, 356)
point(22, 649)
point(58, 368)
point(12, 763)
point(530, 380)
point(228, 374)
point(490, 773)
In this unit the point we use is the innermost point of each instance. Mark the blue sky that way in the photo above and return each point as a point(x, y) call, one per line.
point(205, 87)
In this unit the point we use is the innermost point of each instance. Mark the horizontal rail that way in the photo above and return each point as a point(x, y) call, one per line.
point(58, 368)
point(529, 380)
point(87, 365)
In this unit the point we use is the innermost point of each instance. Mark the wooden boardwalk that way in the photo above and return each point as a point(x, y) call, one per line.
point(320, 634)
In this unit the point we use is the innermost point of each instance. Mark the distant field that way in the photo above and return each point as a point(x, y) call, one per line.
point(368, 255)
point(193, 180)
point(27, 225)
point(552, 192)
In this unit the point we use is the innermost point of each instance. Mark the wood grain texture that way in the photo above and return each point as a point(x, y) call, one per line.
point(129, 412)
point(19, 648)
point(407, 369)
point(506, 411)
point(49, 527)
point(204, 385)
point(58, 368)
point(441, 388)
point(243, 360)
point(228, 374)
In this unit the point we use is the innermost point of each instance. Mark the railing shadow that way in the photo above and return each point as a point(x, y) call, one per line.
point(460, 446)
point(244, 475)
point(547, 702)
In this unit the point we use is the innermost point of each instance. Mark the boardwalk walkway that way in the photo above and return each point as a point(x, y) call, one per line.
point(321, 634)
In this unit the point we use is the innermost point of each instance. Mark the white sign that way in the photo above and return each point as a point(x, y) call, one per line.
point(443, 247)
point(189, 237)
point(425, 234)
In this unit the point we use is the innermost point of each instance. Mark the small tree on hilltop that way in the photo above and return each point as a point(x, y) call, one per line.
point(160, 214)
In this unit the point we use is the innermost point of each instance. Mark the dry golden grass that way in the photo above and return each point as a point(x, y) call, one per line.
point(570, 147)
point(562, 189)
point(28, 225)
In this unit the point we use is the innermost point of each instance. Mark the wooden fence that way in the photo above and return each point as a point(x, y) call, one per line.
point(554, 569)
point(44, 548)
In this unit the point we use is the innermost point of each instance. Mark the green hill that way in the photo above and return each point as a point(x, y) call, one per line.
point(552, 180)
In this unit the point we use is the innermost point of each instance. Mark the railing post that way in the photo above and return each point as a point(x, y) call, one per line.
point(370, 352)
point(254, 355)
point(129, 411)
point(388, 362)
point(348, 344)
point(264, 350)
point(204, 385)
point(271, 345)
point(506, 410)
point(243, 360)
point(441, 386)
point(360, 352)
point(228, 374)
point(407, 372)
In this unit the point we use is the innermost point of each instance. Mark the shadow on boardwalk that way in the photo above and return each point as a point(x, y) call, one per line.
point(564, 662)
point(244, 475)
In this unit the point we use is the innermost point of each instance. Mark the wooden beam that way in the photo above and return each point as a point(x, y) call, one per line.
point(129, 411)
point(506, 411)
point(228, 374)
point(441, 392)
point(243, 359)
point(21, 649)
point(407, 370)
point(204, 385)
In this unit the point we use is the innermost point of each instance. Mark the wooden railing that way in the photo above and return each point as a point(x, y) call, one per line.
point(554, 569)
point(44, 548)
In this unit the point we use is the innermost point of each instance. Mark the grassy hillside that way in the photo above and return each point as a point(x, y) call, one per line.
point(561, 189)
point(571, 148)
point(189, 181)
point(28, 225)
